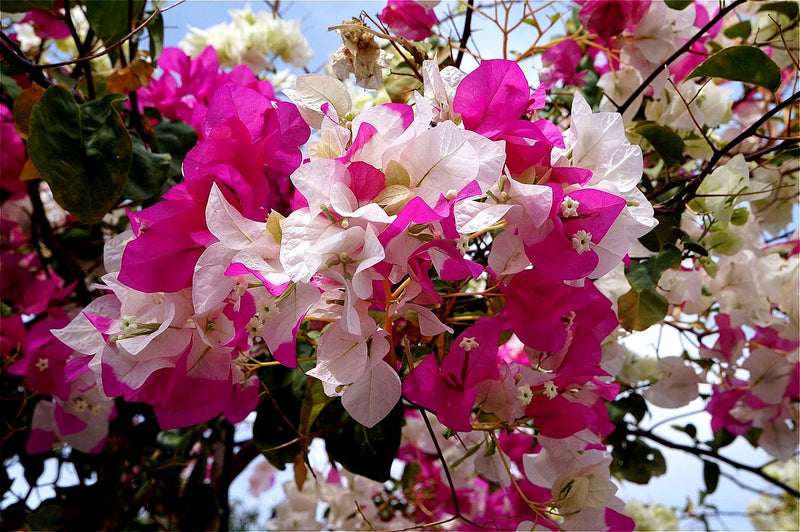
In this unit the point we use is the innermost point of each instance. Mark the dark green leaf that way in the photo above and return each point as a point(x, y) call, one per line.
point(741, 63)
point(409, 478)
point(9, 84)
point(639, 277)
point(665, 141)
point(22, 6)
point(367, 452)
point(637, 462)
point(155, 29)
point(640, 310)
point(176, 138)
point(710, 476)
point(149, 171)
point(753, 435)
point(694, 246)
point(721, 439)
point(664, 233)
point(82, 151)
point(633, 404)
point(46, 517)
point(668, 258)
point(739, 30)
point(109, 20)
point(277, 416)
point(689, 430)
point(790, 9)
point(680, 5)
point(645, 275)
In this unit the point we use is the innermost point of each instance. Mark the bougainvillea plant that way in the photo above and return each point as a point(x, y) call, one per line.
point(437, 277)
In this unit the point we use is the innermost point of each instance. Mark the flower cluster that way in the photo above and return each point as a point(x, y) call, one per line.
point(438, 288)
point(252, 39)
point(214, 274)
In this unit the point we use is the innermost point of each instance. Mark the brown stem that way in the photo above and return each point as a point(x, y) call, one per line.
point(697, 451)
point(687, 192)
point(655, 73)
point(465, 34)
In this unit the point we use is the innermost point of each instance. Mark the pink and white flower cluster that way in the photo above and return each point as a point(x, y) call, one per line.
point(388, 205)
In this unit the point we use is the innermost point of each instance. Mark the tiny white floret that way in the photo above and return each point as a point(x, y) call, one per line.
point(581, 241)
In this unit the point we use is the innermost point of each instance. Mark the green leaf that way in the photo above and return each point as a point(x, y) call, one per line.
point(367, 452)
point(680, 5)
point(690, 244)
point(46, 517)
point(277, 416)
point(639, 310)
point(668, 258)
point(23, 6)
point(644, 276)
point(83, 151)
point(740, 216)
point(690, 430)
point(753, 435)
point(664, 233)
point(739, 30)
point(741, 63)
point(665, 141)
point(155, 29)
point(313, 403)
point(790, 9)
point(176, 138)
point(722, 438)
point(149, 171)
point(109, 20)
point(9, 84)
point(708, 264)
point(637, 462)
point(639, 277)
point(710, 476)
point(633, 404)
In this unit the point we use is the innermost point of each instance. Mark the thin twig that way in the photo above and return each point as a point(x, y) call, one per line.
point(466, 33)
point(679, 52)
point(697, 451)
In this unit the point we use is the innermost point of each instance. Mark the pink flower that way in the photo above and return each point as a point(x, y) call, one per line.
point(564, 315)
point(608, 18)
point(44, 360)
point(492, 99)
point(581, 219)
point(12, 156)
point(561, 64)
point(46, 24)
point(450, 390)
point(170, 237)
point(409, 19)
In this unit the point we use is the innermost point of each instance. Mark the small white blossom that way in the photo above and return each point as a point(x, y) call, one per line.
point(255, 327)
point(267, 308)
point(462, 244)
point(129, 325)
point(79, 404)
point(550, 389)
point(569, 207)
point(524, 394)
point(581, 241)
point(468, 343)
point(42, 364)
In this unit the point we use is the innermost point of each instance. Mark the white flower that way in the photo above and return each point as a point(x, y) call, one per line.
point(252, 39)
point(581, 241)
point(360, 55)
